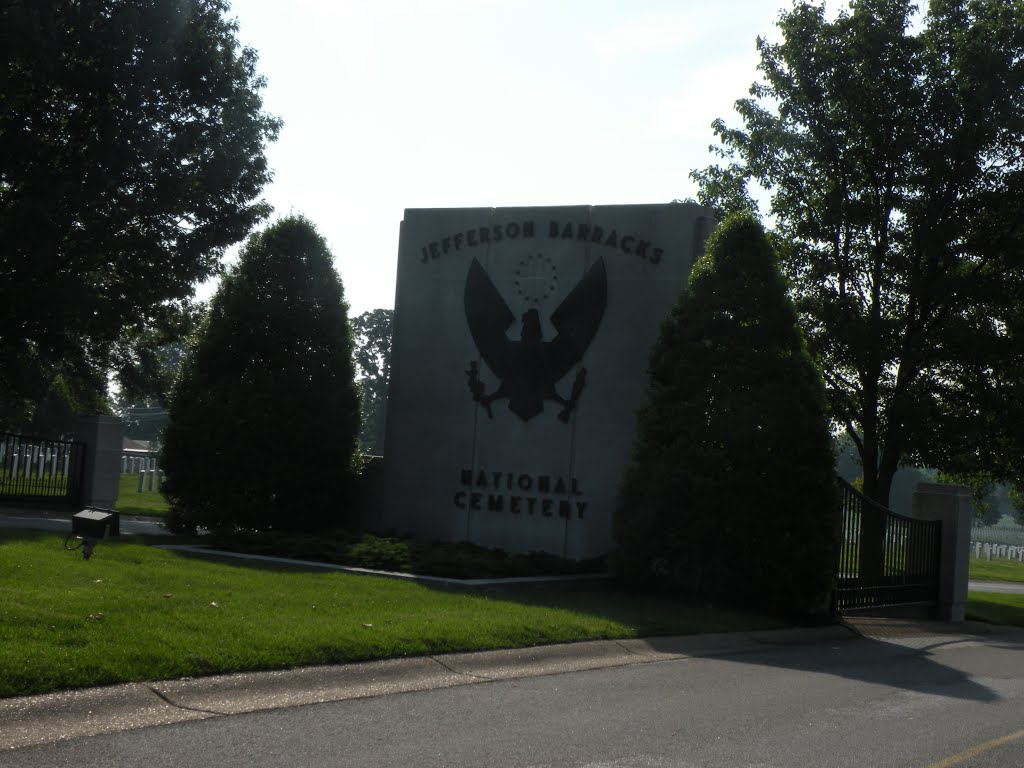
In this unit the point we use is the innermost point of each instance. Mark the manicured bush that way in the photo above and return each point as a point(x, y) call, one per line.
point(456, 560)
point(731, 488)
point(265, 414)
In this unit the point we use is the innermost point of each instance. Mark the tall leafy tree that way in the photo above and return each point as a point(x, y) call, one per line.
point(731, 488)
point(265, 414)
point(894, 165)
point(143, 397)
point(132, 143)
point(1016, 502)
point(372, 332)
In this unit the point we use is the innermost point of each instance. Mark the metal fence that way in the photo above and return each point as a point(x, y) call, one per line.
point(886, 559)
point(37, 469)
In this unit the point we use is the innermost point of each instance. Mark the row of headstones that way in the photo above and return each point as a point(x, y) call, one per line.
point(132, 465)
point(150, 479)
point(32, 458)
point(997, 550)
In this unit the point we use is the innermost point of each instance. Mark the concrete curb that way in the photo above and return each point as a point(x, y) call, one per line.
point(30, 720)
point(33, 720)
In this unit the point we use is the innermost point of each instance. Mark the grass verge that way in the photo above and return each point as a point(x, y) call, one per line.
point(131, 502)
point(135, 613)
point(997, 570)
point(996, 608)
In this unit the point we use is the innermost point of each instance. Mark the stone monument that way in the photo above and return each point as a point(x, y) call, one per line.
point(519, 358)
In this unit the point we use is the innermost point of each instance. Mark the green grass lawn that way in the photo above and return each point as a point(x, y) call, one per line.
point(131, 502)
point(134, 613)
point(996, 608)
point(996, 569)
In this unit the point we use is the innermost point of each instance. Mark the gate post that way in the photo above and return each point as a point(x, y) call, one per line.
point(102, 476)
point(952, 505)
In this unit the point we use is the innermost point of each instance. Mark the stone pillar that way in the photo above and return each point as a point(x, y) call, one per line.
point(102, 438)
point(952, 505)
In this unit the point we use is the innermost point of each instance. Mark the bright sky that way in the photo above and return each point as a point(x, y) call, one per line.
point(395, 104)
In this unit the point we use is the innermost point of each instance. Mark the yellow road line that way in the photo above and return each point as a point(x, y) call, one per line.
point(967, 754)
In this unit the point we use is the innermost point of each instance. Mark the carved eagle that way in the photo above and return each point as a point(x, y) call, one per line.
point(530, 368)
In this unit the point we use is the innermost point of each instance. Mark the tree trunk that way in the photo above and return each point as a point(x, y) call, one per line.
point(872, 539)
point(887, 468)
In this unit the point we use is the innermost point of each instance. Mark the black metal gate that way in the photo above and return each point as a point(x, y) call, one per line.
point(37, 469)
point(886, 559)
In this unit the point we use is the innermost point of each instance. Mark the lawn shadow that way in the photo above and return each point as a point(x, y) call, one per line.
point(187, 548)
point(706, 630)
point(907, 661)
point(11, 534)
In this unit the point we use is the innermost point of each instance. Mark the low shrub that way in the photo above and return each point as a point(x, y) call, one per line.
point(461, 560)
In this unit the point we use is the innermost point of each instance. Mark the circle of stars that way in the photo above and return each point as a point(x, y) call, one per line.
point(536, 278)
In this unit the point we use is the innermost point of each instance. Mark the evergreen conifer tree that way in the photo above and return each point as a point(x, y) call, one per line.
point(731, 490)
point(265, 414)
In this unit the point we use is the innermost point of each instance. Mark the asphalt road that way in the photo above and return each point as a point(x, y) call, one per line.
point(901, 698)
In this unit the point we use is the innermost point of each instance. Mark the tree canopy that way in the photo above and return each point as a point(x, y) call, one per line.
point(731, 488)
point(265, 414)
point(132, 144)
point(892, 158)
point(372, 333)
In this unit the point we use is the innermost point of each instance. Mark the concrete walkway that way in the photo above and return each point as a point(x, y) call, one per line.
point(1007, 587)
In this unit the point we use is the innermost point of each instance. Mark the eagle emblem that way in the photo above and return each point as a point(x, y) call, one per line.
point(530, 368)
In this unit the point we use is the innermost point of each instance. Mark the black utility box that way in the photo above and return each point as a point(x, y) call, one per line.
point(96, 523)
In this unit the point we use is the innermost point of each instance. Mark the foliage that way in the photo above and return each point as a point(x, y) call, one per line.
point(731, 488)
point(459, 560)
point(53, 414)
point(142, 405)
point(1016, 499)
point(847, 459)
point(131, 155)
point(151, 377)
point(372, 332)
point(264, 417)
point(143, 421)
point(893, 161)
point(984, 496)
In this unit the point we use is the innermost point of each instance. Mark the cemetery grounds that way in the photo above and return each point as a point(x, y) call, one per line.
point(997, 554)
point(136, 612)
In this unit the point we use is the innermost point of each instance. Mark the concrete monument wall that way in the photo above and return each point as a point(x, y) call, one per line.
point(519, 358)
point(101, 476)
